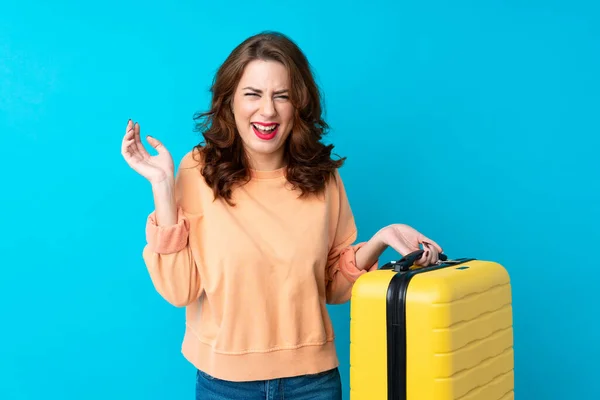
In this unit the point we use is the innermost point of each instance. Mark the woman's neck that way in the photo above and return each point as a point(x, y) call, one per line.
point(267, 162)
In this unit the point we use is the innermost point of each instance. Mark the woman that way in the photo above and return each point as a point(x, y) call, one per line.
point(255, 235)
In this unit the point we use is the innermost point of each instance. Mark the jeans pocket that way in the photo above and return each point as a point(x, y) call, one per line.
point(324, 385)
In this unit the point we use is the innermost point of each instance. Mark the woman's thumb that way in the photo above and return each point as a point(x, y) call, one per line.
point(155, 143)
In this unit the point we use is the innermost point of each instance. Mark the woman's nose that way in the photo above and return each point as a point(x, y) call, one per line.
point(268, 108)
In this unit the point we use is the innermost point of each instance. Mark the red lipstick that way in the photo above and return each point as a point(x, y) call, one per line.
point(268, 134)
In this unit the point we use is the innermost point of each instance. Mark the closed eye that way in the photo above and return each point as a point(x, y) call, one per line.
point(282, 94)
point(282, 97)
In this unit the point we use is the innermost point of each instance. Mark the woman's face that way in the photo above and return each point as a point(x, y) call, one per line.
point(263, 112)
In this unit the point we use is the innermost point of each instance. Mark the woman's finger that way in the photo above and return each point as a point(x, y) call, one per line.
point(157, 144)
point(138, 142)
point(433, 251)
point(128, 135)
point(425, 240)
point(126, 143)
point(433, 256)
point(128, 150)
point(430, 255)
point(424, 259)
point(129, 129)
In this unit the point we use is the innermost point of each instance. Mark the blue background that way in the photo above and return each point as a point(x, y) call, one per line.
point(475, 122)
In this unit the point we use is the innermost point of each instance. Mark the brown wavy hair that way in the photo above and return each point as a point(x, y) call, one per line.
point(309, 162)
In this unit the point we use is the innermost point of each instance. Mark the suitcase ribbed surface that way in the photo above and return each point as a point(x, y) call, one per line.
point(459, 334)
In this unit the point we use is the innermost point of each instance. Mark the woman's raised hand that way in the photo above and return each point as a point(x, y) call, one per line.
point(154, 168)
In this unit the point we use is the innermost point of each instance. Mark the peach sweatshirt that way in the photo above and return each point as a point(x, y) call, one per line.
point(255, 278)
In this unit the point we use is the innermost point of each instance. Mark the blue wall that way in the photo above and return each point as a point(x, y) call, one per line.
point(476, 122)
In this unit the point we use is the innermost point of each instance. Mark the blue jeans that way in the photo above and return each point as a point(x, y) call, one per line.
point(322, 386)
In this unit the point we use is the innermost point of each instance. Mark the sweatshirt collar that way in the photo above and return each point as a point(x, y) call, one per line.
point(260, 174)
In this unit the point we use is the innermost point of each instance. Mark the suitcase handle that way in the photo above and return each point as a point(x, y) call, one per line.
point(408, 261)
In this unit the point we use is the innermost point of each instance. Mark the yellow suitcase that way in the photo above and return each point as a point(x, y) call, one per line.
point(442, 332)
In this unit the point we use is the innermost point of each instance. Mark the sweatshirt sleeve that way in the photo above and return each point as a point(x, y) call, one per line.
point(168, 255)
point(341, 270)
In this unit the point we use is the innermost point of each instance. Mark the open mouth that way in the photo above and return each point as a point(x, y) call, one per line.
point(266, 131)
point(265, 128)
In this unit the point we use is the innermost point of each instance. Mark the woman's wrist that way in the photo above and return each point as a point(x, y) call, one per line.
point(164, 202)
point(370, 252)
